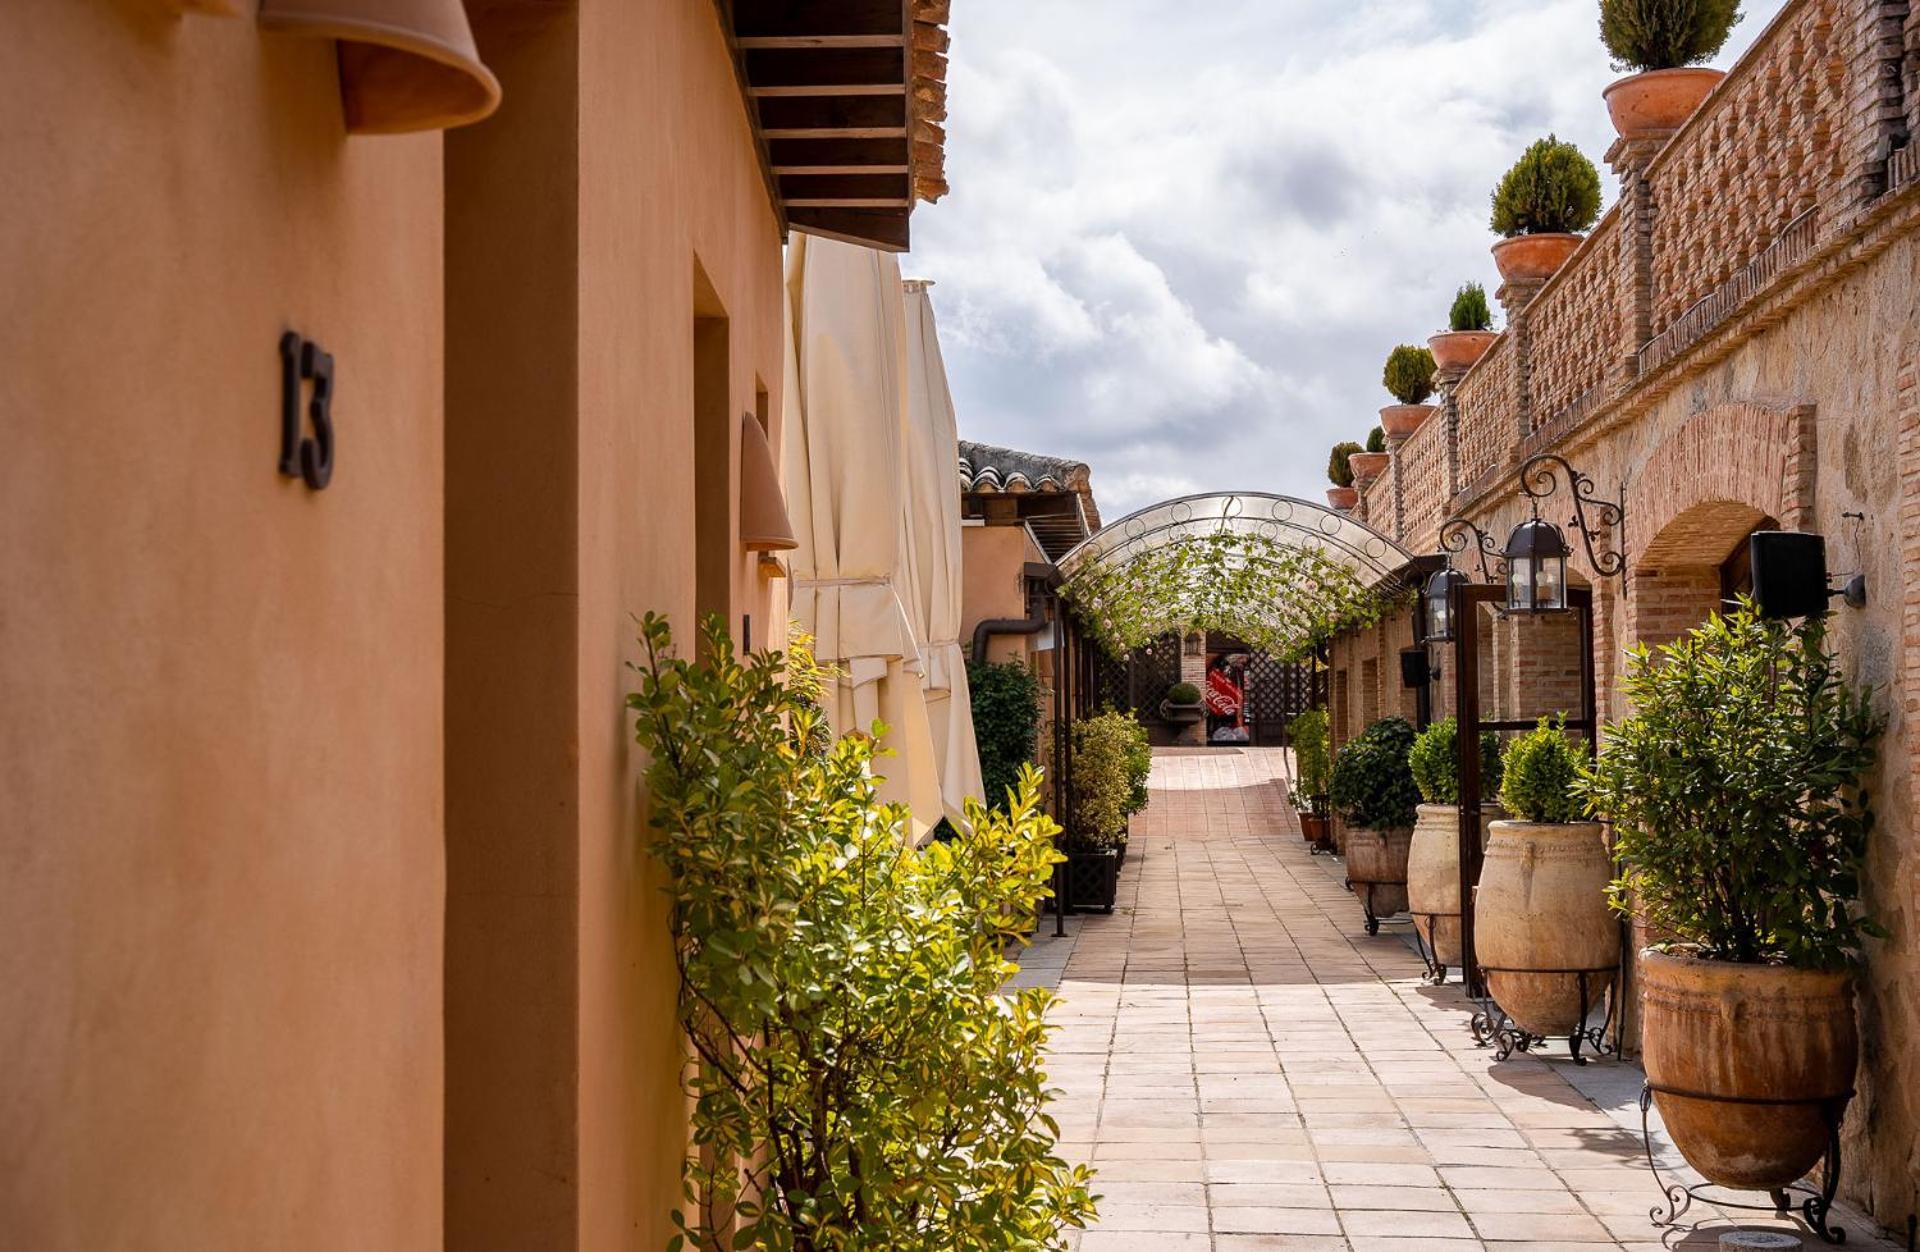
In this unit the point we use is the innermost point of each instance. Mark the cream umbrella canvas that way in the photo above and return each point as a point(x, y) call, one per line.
point(846, 471)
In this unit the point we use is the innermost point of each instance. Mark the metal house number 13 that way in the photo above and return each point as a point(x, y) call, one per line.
point(310, 457)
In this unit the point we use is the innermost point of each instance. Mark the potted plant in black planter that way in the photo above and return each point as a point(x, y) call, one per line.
point(1343, 494)
point(1741, 824)
point(1307, 734)
point(1104, 795)
point(1666, 41)
point(1182, 705)
point(1373, 792)
point(1469, 332)
point(1433, 859)
point(1551, 194)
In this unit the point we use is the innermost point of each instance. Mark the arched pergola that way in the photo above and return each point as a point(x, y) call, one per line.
point(1280, 572)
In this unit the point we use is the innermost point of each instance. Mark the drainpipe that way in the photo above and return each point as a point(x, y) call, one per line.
point(1039, 578)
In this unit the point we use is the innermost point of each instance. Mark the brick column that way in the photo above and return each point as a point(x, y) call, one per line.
point(1515, 297)
point(1193, 669)
point(1445, 381)
point(1879, 101)
point(1629, 159)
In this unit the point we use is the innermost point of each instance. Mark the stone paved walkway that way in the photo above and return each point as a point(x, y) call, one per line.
point(1247, 1069)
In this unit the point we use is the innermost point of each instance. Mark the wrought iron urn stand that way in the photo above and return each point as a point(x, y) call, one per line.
point(1816, 1203)
point(1492, 1027)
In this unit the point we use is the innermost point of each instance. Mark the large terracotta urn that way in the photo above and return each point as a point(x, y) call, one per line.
point(1401, 420)
point(1368, 466)
point(1342, 497)
point(1542, 910)
point(1747, 1033)
point(1377, 871)
point(1534, 258)
point(1460, 350)
point(1433, 877)
point(1658, 102)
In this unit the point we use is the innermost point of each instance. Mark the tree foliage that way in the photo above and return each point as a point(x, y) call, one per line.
point(1736, 795)
point(1541, 771)
point(1435, 761)
point(1279, 598)
point(1408, 375)
point(1666, 34)
point(1006, 723)
point(1307, 734)
point(1372, 786)
point(1552, 187)
point(860, 1081)
point(1376, 440)
point(1470, 310)
point(1339, 472)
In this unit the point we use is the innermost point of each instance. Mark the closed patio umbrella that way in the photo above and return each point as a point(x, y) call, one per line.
point(846, 407)
point(933, 548)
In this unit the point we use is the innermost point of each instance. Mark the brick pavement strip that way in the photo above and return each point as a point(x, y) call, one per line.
point(1248, 1069)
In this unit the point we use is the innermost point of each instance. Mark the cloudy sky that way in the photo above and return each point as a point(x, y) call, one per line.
point(1184, 234)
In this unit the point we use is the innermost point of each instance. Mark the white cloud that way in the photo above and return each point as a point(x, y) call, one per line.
point(1183, 236)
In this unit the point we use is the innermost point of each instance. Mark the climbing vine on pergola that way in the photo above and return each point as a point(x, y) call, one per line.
point(1280, 574)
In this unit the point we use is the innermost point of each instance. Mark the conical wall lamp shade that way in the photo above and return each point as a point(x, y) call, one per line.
point(405, 65)
point(763, 510)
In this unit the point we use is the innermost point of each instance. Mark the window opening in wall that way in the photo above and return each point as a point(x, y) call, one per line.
point(713, 421)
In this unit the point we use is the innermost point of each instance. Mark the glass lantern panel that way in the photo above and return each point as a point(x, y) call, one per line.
point(1551, 585)
point(1520, 584)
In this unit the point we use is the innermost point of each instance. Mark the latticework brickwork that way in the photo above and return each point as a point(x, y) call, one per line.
point(1489, 411)
point(1576, 327)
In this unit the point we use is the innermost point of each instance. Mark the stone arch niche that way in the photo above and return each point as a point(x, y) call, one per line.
point(1727, 472)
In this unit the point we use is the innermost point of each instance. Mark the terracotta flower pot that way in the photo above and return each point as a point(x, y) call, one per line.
point(1460, 349)
point(1756, 1032)
point(1377, 860)
point(1658, 102)
point(1368, 466)
point(1542, 905)
point(1534, 258)
point(1342, 497)
point(1313, 828)
point(1433, 876)
point(1401, 420)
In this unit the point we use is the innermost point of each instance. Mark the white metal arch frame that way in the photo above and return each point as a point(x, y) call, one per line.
point(1285, 520)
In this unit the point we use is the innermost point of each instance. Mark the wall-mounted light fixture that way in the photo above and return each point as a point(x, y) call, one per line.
point(405, 65)
point(1194, 644)
point(764, 525)
point(1457, 535)
point(1537, 550)
point(1790, 575)
point(1438, 626)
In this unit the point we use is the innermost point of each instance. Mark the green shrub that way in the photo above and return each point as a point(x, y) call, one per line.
point(1372, 784)
point(1542, 771)
point(1552, 187)
point(1006, 723)
point(1311, 762)
point(1376, 440)
point(1409, 374)
point(1339, 472)
point(1183, 693)
point(1108, 780)
point(842, 993)
point(1735, 792)
point(1665, 34)
point(1470, 311)
point(1435, 761)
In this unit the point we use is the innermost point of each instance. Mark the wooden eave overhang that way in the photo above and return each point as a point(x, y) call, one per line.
point(846, 98)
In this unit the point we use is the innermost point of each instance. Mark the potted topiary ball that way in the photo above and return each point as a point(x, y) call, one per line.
point(1433, 859)
point(1469, 332)
point(1541, 910)
point(1342, 495)
point(1741, 821)
point(1370, 464)
point(1182, 705)
point(1666, 40)
point(1307, 735)
point(1551, 194)
point(1372, 790)
point(1409, 379)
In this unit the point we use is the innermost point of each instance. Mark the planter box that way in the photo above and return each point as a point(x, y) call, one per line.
point(1093, 880)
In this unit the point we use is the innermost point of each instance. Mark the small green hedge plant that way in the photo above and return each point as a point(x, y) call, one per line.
point(1311, 762)
point(1665, 34)
point(1435, 761)
point(861, 1077)
point(1736, 791)
point(1372, 785)
point(1110, 763)
point(1376, 440)
point(1551, 188)
point(1470, 310)
point(1183, 693)
point(1409, 374)
point(1542, 770)
point(1339, 471)
point(1006, 724)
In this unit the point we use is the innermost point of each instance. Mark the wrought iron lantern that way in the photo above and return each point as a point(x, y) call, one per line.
point(1536, 568)
point(1438, 627)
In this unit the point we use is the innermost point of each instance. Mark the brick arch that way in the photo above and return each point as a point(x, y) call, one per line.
point(1705, 486)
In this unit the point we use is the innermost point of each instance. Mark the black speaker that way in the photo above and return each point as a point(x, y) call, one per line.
point(1789, 572)
point(1413, 668)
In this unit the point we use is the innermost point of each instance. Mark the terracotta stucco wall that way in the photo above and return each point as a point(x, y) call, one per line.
point(614, 199)
point(994, 586)
point(220, 919)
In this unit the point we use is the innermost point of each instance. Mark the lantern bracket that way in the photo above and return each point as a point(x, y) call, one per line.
point(1539, 481)
point(1457, 534)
